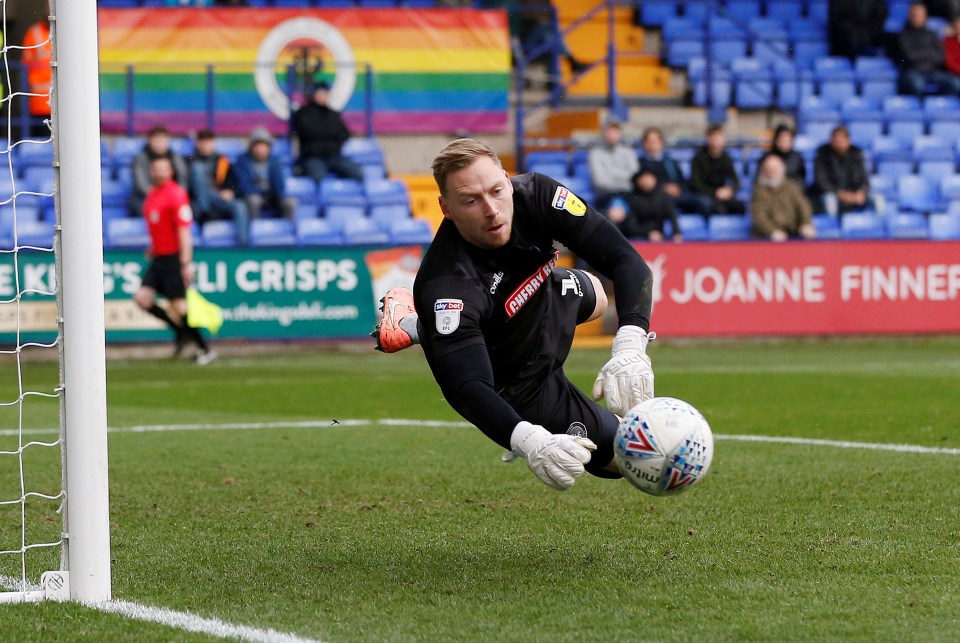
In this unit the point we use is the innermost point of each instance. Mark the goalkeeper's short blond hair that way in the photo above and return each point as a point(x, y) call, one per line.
point(457, 155)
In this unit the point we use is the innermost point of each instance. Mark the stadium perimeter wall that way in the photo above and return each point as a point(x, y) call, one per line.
point(701, 290)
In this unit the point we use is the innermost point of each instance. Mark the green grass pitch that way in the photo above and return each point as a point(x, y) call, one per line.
point(371, 532)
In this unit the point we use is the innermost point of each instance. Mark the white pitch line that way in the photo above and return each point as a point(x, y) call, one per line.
point(399, 422)
point(171, 618)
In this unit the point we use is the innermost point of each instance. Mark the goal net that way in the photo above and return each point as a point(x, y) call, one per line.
point(54, 525)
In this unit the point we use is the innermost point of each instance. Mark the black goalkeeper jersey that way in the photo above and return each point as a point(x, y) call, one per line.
point(484, 317)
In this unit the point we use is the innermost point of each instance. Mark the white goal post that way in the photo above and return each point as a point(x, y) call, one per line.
point(75, 123)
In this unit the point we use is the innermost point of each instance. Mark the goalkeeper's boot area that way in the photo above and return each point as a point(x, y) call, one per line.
point(395, 305)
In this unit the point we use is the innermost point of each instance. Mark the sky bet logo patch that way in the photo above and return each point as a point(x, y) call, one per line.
point(447, 312)
point(564, 199)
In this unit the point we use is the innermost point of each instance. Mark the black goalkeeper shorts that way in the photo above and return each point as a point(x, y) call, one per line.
point(163, 275)
point(559, 406)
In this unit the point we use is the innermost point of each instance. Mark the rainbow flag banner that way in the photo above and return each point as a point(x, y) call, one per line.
point(408, 70)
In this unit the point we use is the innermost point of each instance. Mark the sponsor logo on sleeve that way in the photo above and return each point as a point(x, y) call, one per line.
point(447, 312)
point(564, 199)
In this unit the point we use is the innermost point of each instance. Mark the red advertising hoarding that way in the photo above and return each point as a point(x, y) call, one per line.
point(804, 287)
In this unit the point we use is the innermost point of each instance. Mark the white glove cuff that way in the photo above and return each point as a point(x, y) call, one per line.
point(526, 437)
point(631, 338)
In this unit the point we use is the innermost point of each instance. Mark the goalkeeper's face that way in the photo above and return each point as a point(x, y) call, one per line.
point(479, 201)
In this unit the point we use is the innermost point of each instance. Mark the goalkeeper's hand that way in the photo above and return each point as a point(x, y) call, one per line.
point(557, 459)
point(627, 378)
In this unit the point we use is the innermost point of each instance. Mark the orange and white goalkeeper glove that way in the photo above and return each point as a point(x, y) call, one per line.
point(627, 378)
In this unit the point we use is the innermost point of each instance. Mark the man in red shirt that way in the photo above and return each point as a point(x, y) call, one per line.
point(170, 273)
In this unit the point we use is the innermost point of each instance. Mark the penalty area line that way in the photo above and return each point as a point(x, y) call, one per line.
point(172, 618)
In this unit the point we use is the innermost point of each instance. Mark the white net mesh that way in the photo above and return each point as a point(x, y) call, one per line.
point(31, 489)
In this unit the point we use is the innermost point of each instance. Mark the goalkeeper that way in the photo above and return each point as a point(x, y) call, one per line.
point(496, 317)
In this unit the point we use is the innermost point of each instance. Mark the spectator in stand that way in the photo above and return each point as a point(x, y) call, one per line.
point(840, 180)
point(644, 212)
point(322, 133)
point(856, 27)
point(669, 175)
point(951, 47)
point(261, 178)
point(213, 186)
point(37, 56)
point(779, 210)
point(922, 56)
point(713, 175)
point(612, 164)
point(782, 148)
point(157, 145)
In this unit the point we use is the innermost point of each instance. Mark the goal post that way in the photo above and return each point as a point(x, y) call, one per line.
point(75, 112)
point(77, 249)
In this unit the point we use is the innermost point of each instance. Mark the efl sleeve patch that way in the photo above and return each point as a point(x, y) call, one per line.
point(447, 312)
point(564, 199)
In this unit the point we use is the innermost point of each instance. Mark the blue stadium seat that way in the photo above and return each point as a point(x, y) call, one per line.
point(889, 144)
point(944, 226)
point(754, 84)
point(318, 232)
point(941, 105)
point(182, 145)
point(537, 157)
point(772, 51)
point(729, 227)
point(905, 127)
point(805, 52)
point(35, 154)
point(306, 211)
point(363, 149)
point(340, 214)
point(725, 49)
point(785, 10)
point(864, 130)
point(272, 233)
point(693, 227)
point(827, 227)
point(387, 192)
point(341, 191)
point(34, 177)
point(555, 170)
point(387, 214)
point(906, 225)
point(818, 10)
point(720, 27)
point(895, 105)
point(805, 28)
point(837, 90)
point(364, 232)
point(114, 193)
point(817, 130)
point(744, 10)
point(893, 164)
point(935, 170)
point(412, 231)
point(929, 147)
point(950, 187)
point(7, 215)
point(878, 88)
point(302, 188)
point(945, 130)
point(718, 92)
point(654, 13)
point(127, 233)
point(680, 51)
point(861, 225)
point(373, 171)
point(124, 149)
point(917, 193)
point(682, 28)
point(219, 234)
point(832, 67)
point(884, 185)
point(869, 68)
point(115, 212)
point(698, 10)
point(230, 147)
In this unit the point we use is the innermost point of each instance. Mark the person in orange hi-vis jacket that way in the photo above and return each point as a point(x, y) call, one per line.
point(37, 56)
